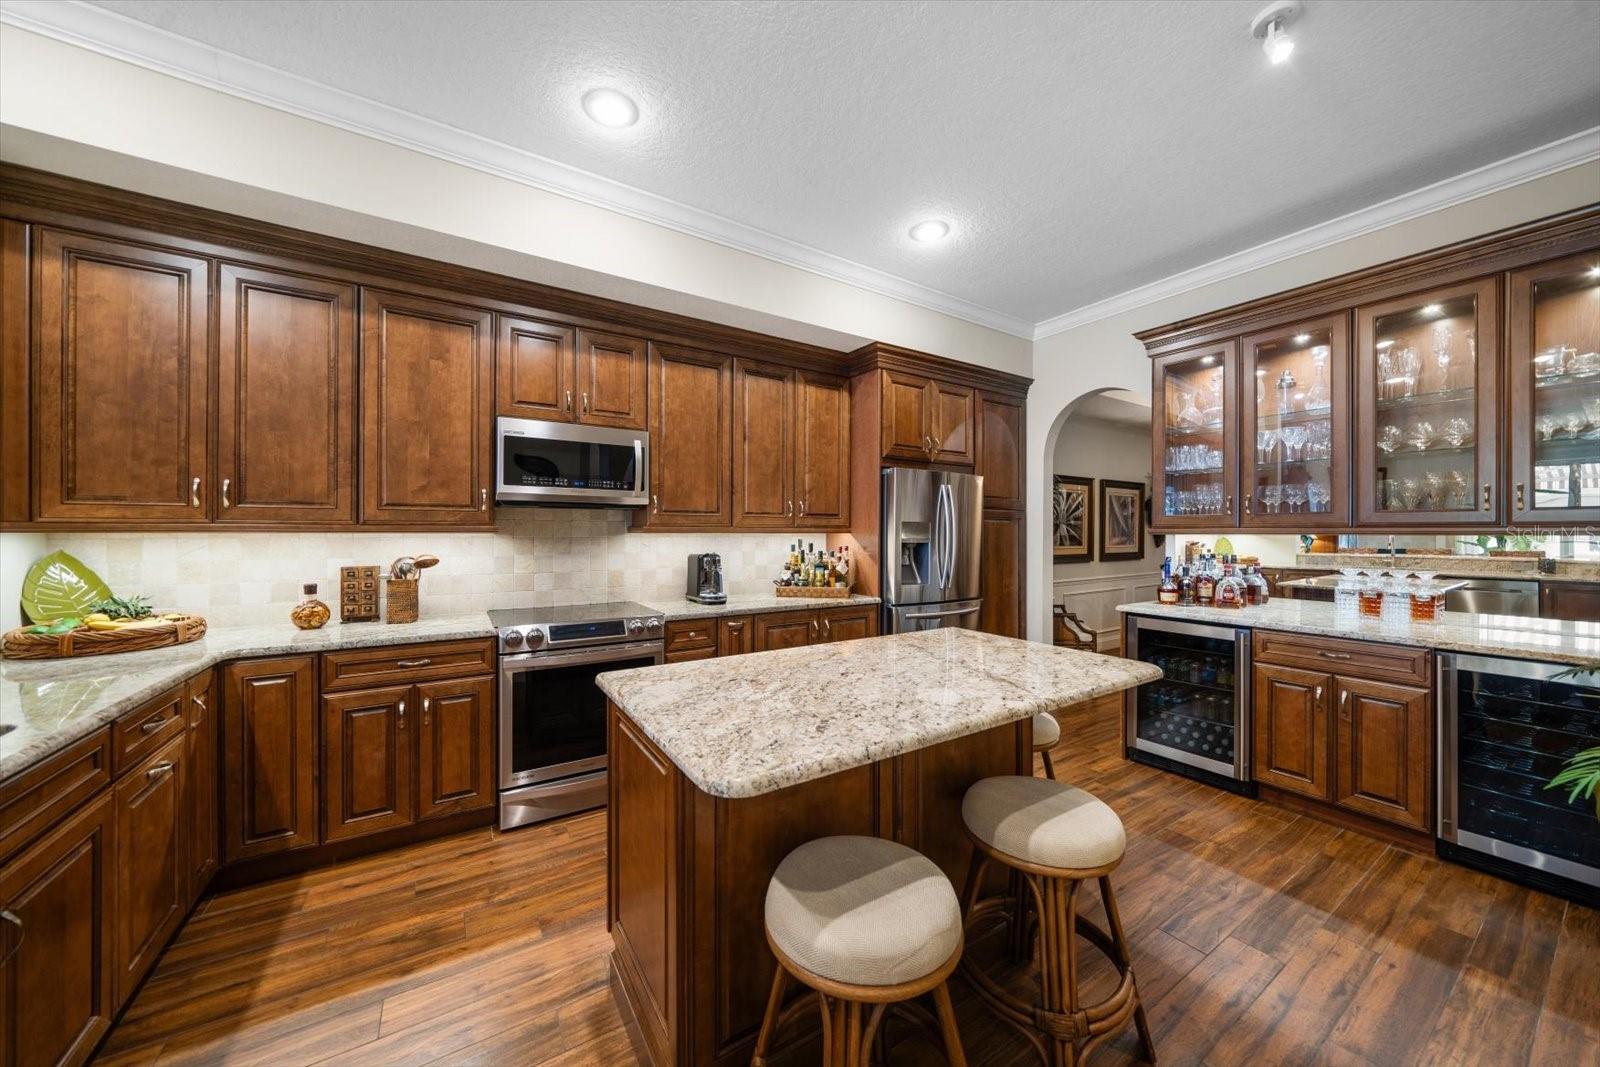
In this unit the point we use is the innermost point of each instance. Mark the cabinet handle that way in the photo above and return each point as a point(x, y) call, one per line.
point(655, 504)
point(226, 482)
point(153, 725)
point(158, 770)
point(1344, 705)
point(194, 493)
point(427, 706)
point(12, 918)
point(788, 508)
point(827, 627)
point(401, 719)
point(814, 628)
point(586, 403)
point(802, 509)
point(1318, 696)
point(199, 702)
point(1488, 492)
point(1228, 505)
point(1325, 654)
point(569, 399)
point(1519, 496)
point(1247, 497)
point(412, 662)
point(483, 500)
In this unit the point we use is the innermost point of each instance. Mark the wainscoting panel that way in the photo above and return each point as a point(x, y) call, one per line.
point(1094, 599)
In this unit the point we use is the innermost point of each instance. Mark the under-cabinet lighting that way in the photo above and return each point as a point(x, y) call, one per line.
point(1301, 338)
point(1433, 310)
point(1385, 344)
point(1594, 272)
point(1206, 361)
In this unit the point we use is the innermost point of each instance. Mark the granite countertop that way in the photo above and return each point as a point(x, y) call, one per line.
point(1549, 640)
point(752, 604)
point(747, 725)
point(1450, 565)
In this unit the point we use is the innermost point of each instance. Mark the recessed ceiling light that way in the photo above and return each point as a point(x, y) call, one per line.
point(1301, 338)
point(1271, 26)
point(1433, 310)
point(929, 231)
point(610, 108)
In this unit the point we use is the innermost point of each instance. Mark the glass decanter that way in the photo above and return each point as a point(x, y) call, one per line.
point(1319, 395)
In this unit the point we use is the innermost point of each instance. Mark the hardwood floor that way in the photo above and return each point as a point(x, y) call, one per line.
point(1259, 937)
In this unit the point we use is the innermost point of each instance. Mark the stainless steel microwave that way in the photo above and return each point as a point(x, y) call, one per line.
point(538, 462)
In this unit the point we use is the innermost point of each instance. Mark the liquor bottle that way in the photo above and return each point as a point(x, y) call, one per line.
point(1230, 589)
point(819, 571)
point(1168, 592)
point(1186, 591)
point(1256, 590)
point(1205, 587)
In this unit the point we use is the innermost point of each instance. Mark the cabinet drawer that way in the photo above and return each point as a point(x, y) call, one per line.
point(366, 667)
point(696, 633)
point(40, 796)
point(1359, 659)
point(139, 733)
point(688, 654)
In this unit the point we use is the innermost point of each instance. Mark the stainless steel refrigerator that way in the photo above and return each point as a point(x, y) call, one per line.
point(932, 544)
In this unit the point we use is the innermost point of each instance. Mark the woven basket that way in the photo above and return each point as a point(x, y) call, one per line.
point(20, 644)
point(837, 592)
point(402, 599)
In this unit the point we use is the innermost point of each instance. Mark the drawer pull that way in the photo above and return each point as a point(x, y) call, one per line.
point(12, 918)
point(400, 723)
point(412, 662)
point(1488, 495)
point(1318, 697)
point(483, 500)
point(569, 399)
point(1325, 654)
point(153, 725)
point(158, 770)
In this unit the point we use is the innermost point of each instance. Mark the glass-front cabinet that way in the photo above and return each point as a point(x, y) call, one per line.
point(1295, 449)
point(1554, 377)
point(1427, 412)
point(1197, 426)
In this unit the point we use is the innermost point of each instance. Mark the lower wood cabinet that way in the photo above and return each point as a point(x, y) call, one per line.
point(848, 624)
point(455, 747)
point(1002, 574)
point(1570, 601)
point(1383, 752)
point(269, 756)
point(1291, 729)
point(205, 842)
point(786, 629)
point(366, 762)
point(736, 636)
point(57, 900)
point(153, 875)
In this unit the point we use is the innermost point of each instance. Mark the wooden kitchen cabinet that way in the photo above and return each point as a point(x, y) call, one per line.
point(1382, 754)
point(952, 429)
point(205, 843)
point(455, 747)
point(269, 756)
point(736, 636)
point(1196, 426)
point(286, 397)
point(367, 762)
point(120, 389)
point(822, 451)
point(1570, 601)
point(1291, 729)
point(763, 446)
point(1001, 441)
point(611, 380)
point(426, 398)
point(1003, 574)
point(154, 832)
point(926, 420)
point(57, 906)
point(536, 370)
point(786, 629)
point(691, 439)
point(848, 624)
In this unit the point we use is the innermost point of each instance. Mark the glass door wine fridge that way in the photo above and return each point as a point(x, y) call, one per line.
point(1196, 719)
point(1506, 727)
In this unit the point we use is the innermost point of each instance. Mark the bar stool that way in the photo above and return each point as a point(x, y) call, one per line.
point(1056, 837)
point(1046, 735)
point(864, 923)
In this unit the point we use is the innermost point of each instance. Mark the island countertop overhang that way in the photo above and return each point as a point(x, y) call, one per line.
point(747, 725)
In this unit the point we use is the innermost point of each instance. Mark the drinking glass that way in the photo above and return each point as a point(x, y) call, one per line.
point(1318, 496)
point(1546, 426)
point(1442, 337)
point(1294, 440)
point(1321, 442)
point(1591, 411)
point(1407, 366)
point(1389, 438)
point(1456, 497)
point(1433, 491)
point(1270, 497)
point(1265, 439)
point(1385, 374)
point(1457, 432)
point(1294, 496)
point(1420, 434)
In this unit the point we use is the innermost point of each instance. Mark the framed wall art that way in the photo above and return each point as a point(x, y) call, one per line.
point(1072, 525)
point(1121, 520)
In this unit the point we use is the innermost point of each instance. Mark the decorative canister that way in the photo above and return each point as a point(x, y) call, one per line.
point(402, 599)
point(310, 613)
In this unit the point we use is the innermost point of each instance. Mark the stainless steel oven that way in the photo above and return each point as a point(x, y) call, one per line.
point(538, 462)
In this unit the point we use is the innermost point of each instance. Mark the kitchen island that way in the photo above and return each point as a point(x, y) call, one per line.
point(719, 768)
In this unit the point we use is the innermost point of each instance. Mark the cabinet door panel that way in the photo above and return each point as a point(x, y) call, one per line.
point(366, 762)
point(536, 364)
point(764, 445)
point(153, 834)
point(735, 637)
point(848, 624)
point(953, 437)
point(822, 457)
point(120, 390)
point(204, 790)
point(611, 380)
point(1291, 729)
point(786, 629)
point(1196, 438)
point(286, 384)
point(1002, 574)
point(907, 421)
point(56, 994)
point(425, 391)
point(269, 756)
point(691, 434)
point(1000, 451)
point(1570, 601)
point(1384, 760)
point(455, 765)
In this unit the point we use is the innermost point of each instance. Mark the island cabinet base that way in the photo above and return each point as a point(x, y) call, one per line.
point(687, 874)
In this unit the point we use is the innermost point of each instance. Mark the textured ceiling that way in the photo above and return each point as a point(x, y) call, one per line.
point(1081, 149)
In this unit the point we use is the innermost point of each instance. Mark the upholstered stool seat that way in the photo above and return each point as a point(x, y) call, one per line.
point(1046, 735)
point(1044, 823)
point(1053, 837)
point(864, 923)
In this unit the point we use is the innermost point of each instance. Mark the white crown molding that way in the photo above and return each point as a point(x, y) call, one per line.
point(1557, 156)
point(107, 33)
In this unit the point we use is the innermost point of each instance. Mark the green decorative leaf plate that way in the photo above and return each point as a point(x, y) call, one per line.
point(59, 585)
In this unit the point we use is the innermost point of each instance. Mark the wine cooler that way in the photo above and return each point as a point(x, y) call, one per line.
point(1196, 719)
point(1506, 727)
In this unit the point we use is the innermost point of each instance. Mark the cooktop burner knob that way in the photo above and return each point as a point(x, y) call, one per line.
point(652, 624)
point(635, 627)
point(512, 638)
point(535, 637)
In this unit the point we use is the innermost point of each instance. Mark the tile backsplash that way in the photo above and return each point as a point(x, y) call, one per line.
point(536, 556)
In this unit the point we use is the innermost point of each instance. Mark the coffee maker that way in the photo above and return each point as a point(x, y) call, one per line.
point(705, 579)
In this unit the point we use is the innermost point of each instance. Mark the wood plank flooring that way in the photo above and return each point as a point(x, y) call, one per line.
point(1259, 937)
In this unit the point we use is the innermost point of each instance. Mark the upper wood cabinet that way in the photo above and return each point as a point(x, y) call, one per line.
point(1427, 407)
point(691, 438)
point(426, 389)
point(121, 384)
point(1003, 575)
point(269, 756)
point(536, 370)
point(611, 380)
point(1553, 370)
point(822, 451)
point(153, 875)
point(286, 398)
point(1001, 442)
point(763, 445)
point(1196, 427)
point(926, 420)
point(954, 440)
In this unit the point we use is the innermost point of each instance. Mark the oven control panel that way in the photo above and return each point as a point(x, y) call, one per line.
point(541, 636)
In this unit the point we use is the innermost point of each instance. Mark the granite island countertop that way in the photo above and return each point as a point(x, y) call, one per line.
point(1548, 640)
point(49, 704)
point(746, 725)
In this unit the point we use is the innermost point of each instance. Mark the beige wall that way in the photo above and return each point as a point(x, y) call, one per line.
point(1097, 356)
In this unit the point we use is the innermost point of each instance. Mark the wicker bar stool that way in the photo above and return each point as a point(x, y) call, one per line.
point(864, 923)
point(1056, 837)
point(1046, 735)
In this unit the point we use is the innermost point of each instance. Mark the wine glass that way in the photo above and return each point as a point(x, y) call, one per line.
point(1271, 495)
point(1318, 396)
point(1407, 365)
point(1389, 438)
point(1420, 435)
point(1265, 439)
point(1442, 337)
point(1591, 411)
point(1294, 495)
point(1385, 373)
point(1318, 496)
point(1294, 440)
point(1457, 432)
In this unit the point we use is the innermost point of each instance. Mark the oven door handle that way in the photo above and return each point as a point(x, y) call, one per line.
point(536, 661)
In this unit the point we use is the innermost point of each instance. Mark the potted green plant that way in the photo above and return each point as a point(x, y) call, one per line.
point(1581, 775)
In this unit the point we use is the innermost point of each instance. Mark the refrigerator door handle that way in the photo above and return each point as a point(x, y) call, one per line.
point(944, 614)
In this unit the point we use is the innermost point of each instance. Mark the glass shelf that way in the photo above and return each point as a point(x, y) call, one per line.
point(1567, 381)
point(1564, 450)
point(1194, 431)
point(1277, 464)
point(1418, 453)
point(1421, 400)
point(1193, 470)
point(1295, 418)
